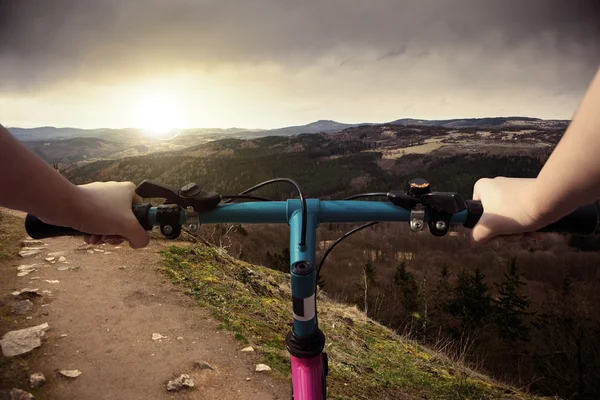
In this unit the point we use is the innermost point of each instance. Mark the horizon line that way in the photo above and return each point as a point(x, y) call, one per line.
point(288, 126)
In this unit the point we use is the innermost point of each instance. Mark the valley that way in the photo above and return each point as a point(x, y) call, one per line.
point(440, 292)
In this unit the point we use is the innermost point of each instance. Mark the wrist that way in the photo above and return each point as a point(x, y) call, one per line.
point(546, 206)
point(80, 206)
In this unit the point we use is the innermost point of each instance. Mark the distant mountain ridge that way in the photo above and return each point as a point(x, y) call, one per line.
point(321, 126)
point(487, 122)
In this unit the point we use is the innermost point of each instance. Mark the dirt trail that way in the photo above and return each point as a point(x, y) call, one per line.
point(109, 314)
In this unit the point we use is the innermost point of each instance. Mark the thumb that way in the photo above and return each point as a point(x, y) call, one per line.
point(135, 233)
point(482, 232)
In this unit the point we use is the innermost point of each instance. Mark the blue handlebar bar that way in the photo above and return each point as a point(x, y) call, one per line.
point(278, 212)
point(583, 221)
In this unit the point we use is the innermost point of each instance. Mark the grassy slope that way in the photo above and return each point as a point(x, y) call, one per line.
point(11, 233)
point(367, 360)
point(14, 370)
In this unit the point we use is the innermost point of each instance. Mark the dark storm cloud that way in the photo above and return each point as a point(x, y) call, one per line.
point(50, 41)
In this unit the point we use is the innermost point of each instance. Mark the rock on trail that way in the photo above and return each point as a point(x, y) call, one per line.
point(36, 380)
point(27, 292)
point(15, 394)
point(70, 373)
point(32, 242)
point(26, 269)
point(262, 368)
point(22, 341)
point(30, 251)
point(179, 383)
point(22, 307)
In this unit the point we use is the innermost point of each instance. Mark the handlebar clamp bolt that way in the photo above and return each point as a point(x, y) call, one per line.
point(441, 225)
point(416, 225)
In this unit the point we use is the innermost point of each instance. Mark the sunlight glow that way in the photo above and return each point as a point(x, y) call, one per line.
point(159, 115)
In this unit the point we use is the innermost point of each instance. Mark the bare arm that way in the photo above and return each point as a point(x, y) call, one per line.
point(569, 179)
point(29, 184)
point(571, 176)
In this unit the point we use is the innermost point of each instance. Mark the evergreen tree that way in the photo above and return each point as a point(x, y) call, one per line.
point(279, 262)
point(441, 298)
point(511, 306)
point(471, 302)
point(370, 273)
point(408, 287)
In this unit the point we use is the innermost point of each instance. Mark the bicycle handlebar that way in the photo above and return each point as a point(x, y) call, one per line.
point(583, 221)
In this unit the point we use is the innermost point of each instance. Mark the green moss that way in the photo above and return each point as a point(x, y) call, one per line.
point(367, 360)
point(12, 230)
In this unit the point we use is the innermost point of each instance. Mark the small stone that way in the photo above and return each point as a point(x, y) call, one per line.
point(32, 242)
point(26, 292)
point(47, 292)
point(177, 384)
point(25, 269)
point(262, 367)
point(22, 341)
point(28, 317)
point(56, 254)
point(107, 252)
point(247, 349)
point(179, 337)
point(63, 335)
point(62, 259)
point(247, 379)
point(99, 250)
point(204, 365)
point(36, 380)
point(49, 259)
point(90, 251)
point(70, 373)
point(15, 394)
point(158, 336)
point(63, 268)
point(122, 267)
point(30, 251)
point(118, 247)
point(51, 281)
point(22, 307)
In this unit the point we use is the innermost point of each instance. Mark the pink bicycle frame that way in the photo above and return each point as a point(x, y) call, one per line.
point(307, 378)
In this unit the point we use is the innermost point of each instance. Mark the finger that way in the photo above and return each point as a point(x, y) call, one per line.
point(482, 232)
point(136, 235)
point(95, 239)
point(136, 199)
point(113, 240)
point(477, 188)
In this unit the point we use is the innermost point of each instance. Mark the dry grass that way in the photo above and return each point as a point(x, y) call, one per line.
point(12, 231)
point(367, 360)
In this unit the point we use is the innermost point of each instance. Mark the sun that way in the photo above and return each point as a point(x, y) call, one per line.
point(158, 115)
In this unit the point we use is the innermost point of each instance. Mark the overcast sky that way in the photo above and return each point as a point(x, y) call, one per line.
point(270, 63)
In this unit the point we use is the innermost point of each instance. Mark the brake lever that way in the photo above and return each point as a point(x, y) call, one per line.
point(190, 195)
point(189, 199)
point(439, 206)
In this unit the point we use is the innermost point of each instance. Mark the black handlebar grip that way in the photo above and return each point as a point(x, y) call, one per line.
point(38, 229)
point(583, 221)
